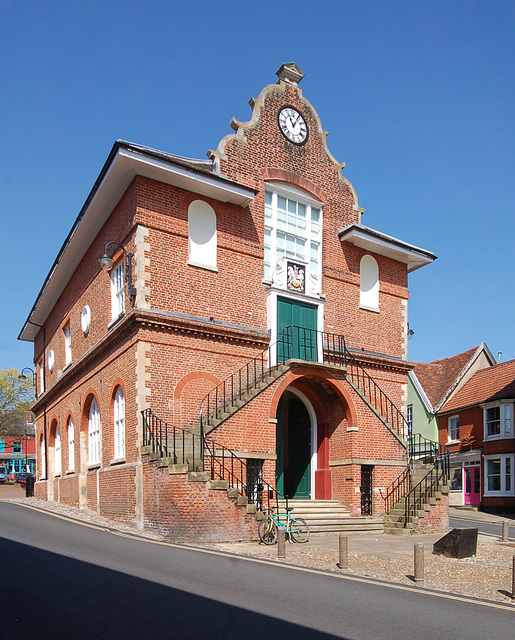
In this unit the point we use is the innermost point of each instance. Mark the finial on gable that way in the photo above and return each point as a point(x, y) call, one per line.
point(290, 72)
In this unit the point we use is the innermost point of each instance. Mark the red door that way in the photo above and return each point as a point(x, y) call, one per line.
point(472, 486)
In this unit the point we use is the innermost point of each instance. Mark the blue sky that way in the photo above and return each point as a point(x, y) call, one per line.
point(418, 98)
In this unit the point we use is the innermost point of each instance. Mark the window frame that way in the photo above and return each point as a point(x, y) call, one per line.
point(310, 237)
point(119, 424)
point(71, 445)
point(67, 332)
point(117, 280)
point(58, 460)
point(505, 421)
point(506, 463)
point(369, 277)
point(202, 250)
point(94, 431)
point(451, 429)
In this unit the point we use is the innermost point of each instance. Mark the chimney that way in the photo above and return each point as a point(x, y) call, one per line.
point(499, 356)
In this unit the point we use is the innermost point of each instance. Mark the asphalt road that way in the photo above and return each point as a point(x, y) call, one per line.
point(63, 579)
point(488, 528)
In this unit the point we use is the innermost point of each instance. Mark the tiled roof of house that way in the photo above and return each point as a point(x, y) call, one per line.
point(493, 383)
point(437, 377)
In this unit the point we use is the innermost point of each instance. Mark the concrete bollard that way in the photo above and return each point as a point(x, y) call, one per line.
point(281, 543)
point(505, 530)
point(343, 552)
point(418, 562)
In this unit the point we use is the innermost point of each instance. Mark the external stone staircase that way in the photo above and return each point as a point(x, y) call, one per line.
point(330, 516)
point(396, 521)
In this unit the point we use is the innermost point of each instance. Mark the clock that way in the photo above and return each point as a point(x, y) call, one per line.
point(293, 125)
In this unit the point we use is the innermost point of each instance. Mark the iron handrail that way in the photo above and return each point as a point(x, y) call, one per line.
point(428, 452)
point(219, 461)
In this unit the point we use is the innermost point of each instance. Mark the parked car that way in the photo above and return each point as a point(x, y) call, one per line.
point(21, 478)
point(3, 474)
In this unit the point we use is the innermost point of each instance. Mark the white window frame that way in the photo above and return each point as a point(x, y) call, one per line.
point(453, 425)
point(58, 461)
point(369, 283)
point(67, 344)
point(409, 417)
point(506, 487)
point(119, 425)
point(71, 445)
point(202, 235)
point(505, 420)
point(117, 275)
point(43, 459)
point(311, 236)
point(41, 376)
point(94, 434)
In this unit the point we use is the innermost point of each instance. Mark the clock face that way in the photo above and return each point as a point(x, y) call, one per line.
point(293, 125)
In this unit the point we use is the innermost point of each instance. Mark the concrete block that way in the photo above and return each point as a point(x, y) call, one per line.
point(458, 543)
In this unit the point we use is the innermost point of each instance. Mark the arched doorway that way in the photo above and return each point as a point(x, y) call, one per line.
point(295, 435)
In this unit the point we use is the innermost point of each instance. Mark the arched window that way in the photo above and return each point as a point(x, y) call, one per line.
point(71, 445)
point(57, 453)
point(119, 424)
point(42, 473)
point(94, 434)
point(201, 235)
point(369, 284)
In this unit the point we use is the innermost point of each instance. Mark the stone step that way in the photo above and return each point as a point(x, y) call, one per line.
point(330, 516)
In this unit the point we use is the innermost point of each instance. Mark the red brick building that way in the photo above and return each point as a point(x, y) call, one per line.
point(477, 426)
point(213, 261)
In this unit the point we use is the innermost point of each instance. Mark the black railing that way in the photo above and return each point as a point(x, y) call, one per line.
point(203, 454)
point(364, 382)
point(301, 344)
point(413, 493)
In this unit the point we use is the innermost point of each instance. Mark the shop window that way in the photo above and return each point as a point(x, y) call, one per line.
point(499, 475)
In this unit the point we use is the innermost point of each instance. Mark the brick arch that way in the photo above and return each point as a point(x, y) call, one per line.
point(195, 375)
point(281, 175)
point(188, 395)
point(299, 378)
point(84, 419)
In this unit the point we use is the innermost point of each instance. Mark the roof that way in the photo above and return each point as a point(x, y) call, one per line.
point(486, 385)
point(438, 376)
point(377, 242)
point(125, 161)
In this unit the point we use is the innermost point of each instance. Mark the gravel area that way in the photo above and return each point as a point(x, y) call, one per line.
point(486, 575)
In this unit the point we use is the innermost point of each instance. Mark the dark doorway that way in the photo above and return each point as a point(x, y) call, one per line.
point(366, 489)
point(293, 467)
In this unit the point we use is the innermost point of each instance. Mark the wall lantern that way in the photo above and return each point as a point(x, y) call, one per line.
point(107, 261)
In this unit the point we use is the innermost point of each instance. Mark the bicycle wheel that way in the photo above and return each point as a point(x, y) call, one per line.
point(299, 530)
point(267, 531)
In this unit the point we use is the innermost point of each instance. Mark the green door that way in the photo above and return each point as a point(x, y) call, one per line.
point(293, 468)
point(300, 341)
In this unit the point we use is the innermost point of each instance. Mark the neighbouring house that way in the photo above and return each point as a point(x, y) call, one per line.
point(431, 384)
point(18, 453)
point(477, 426)
point(248, 340)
